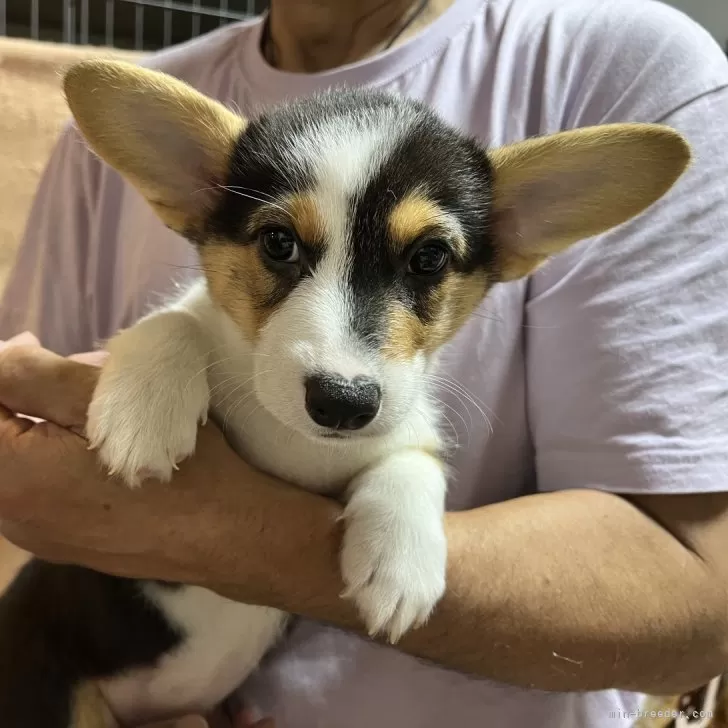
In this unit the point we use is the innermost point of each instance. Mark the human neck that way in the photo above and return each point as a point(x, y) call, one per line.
point(307, 36)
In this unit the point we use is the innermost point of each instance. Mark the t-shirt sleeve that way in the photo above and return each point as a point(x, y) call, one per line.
point(627, 334)
point(47, 291)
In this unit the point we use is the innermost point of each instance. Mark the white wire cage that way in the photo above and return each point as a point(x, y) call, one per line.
point(137, 24)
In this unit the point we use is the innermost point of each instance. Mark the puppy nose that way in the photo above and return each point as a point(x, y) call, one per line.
point(342, 404)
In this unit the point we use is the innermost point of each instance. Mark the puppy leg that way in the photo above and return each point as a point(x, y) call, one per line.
point(152, 394)
point(394, 552)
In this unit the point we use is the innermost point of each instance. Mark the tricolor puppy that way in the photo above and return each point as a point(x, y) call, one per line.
point(344, 239)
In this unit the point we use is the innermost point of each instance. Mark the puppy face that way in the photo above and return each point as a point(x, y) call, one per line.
point(351, 241)
point(350, 235)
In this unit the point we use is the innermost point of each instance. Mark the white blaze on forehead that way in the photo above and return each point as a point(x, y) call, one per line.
point(341, 155)
point(314, 325)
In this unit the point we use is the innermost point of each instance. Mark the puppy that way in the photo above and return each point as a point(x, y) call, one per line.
point(344, 239)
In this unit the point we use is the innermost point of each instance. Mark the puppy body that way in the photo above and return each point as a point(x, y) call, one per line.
point(343, 241)
point(224, 640)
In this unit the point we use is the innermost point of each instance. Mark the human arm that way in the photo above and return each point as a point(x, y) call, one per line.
point(575, 590)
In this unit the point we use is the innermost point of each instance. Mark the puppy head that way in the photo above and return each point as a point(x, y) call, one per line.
point(350, 235)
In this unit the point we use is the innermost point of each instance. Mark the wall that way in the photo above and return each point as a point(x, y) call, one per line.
point(713, 14)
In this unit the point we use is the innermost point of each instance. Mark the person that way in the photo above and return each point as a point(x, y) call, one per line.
point(587, 517)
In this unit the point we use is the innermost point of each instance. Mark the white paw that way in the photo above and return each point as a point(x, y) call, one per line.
point(145, 412)
point(393, 565)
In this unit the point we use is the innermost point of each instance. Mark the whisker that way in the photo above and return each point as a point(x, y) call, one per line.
point(219, 385)
point(459, 397)
point(466, 393)
point(248, 416)
point(427, 420)
point(452, 428)
point(234, 407)
point(254, 376)
point(452, 409)
point(454, 382)
point(197, 374)
point(411, 428)
point(247, 195)
point(251, 190)
point(207, 366)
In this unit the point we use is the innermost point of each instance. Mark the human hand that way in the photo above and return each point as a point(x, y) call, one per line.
point(25, 365)
point(58, 504)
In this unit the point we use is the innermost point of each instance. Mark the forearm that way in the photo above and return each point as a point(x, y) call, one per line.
point(568, 591)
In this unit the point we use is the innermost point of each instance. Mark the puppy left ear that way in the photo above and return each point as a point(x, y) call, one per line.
point(553, 191)
point(168, 140)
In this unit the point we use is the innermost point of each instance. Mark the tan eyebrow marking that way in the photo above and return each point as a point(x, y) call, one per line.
point(306, 218)
point(415, 215)
point(298, 210)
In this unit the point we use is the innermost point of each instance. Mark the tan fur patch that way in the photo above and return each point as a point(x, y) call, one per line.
point(449, 305)
point(240, 283)
point(306, 218)
point(298, 211)
point(415, 215)
point(90, 709)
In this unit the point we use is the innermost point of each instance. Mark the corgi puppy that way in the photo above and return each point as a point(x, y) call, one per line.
point(344, 239)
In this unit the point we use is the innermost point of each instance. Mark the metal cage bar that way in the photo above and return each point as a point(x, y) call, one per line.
point(84, 22)
point(69, 21)
point(139, 24)
point(109, 25)
point(34, 19)
point(168, 16)
point(139, 27)
point(195, 18)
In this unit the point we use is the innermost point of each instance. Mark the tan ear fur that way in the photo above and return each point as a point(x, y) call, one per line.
point(168, 140)
point(553, 191)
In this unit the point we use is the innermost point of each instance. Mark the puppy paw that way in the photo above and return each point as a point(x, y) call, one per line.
point(145, 412)
point(393, 565)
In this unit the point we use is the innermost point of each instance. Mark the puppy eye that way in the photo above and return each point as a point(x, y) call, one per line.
point(429, 260)
point(279, 245)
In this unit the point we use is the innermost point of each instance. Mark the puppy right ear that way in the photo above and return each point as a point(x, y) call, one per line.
point(553, 191)
point(168, 140)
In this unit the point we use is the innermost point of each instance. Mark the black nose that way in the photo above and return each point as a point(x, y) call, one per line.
point(342, 404)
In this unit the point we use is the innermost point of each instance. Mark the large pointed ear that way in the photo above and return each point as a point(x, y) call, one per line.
point(553, 191)
point(171, 142)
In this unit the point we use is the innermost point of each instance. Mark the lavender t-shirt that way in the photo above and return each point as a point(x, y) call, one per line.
point(607, 369)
